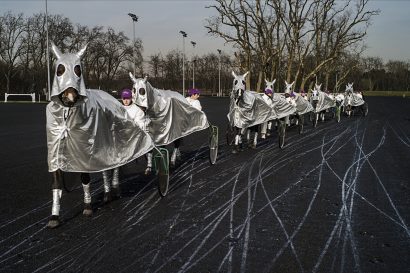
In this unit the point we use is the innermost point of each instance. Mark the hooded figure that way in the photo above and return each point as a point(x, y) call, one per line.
point(320, 100)
point(88, 130)
point(171, 116)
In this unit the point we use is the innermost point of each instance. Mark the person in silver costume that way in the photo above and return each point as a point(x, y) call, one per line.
point(137, 114)
point(171, 116)
point(87, 131)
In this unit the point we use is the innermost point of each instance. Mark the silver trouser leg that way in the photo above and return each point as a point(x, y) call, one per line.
point(174, 155)
point(255, 138)
point(149, 163)
point(248, 135)
point(55, 210)
point(237, 139)
point(269, 125)
point(115, 180)
point(264, 127)
point(106, 178)
point(149, 160)
point(87, 194)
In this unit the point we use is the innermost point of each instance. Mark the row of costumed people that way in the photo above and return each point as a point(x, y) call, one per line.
point(136, 110)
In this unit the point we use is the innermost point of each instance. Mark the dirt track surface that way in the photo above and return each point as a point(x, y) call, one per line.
point(335, 199)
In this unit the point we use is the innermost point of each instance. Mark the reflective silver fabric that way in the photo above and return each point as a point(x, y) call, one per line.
point(302, 105)
point(282, 108)
point(353, 99)
point(324, 101)
point(94, 135)
point(68, 79)
point(172, 117)
point(252, 109)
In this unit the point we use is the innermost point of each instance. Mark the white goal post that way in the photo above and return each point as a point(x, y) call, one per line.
point(32, 95)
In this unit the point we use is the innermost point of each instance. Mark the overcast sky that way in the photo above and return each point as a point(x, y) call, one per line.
point(161, 21)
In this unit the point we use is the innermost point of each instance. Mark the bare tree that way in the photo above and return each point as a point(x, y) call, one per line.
point(292, 30)
point(13, 29)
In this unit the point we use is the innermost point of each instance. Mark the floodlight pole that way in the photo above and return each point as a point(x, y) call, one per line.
point(48, 96)
point(134, 19)
point(184, 35)
point(193, 64)
point(219, 76)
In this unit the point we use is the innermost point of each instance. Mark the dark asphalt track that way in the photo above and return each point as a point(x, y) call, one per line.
point(335, 199)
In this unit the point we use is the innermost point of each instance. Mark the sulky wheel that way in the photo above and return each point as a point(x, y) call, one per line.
point(365, 109)
point(213, 144)
point(161, 165)
point(282, 133)
point(301, 123)
point(230, 135)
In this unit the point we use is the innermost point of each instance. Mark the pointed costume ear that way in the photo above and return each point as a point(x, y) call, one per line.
point(134, 80)
point(273, 82)
point(246, 74)
point(286, 83)
point(82, 51)
point(146, 79)
point(292, 83)
point(233, 74)
point(56, 51)
point(266, 81)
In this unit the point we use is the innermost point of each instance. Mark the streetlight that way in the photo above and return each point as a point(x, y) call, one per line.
point(184, 35)
point(134, 19)
point(48, 97)
point(193, 64)
point(219, 77)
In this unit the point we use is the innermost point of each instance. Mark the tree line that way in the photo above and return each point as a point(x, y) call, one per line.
point(301, 40)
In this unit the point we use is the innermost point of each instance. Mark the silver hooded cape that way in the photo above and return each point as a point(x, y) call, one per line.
point(281, 107)
point(353, 100)
point(253, 110)
point(324, 102)
point(303, 106)
point(97, 135)
point(172, 117)
point(93, 135)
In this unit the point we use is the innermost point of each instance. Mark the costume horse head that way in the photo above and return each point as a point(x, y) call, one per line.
point(289, 86)
point(349, 88)
point(315, 95)
point(139, 91)
point(269, 85)
point(315, 91)
point(68, 84)
point(239, 86)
